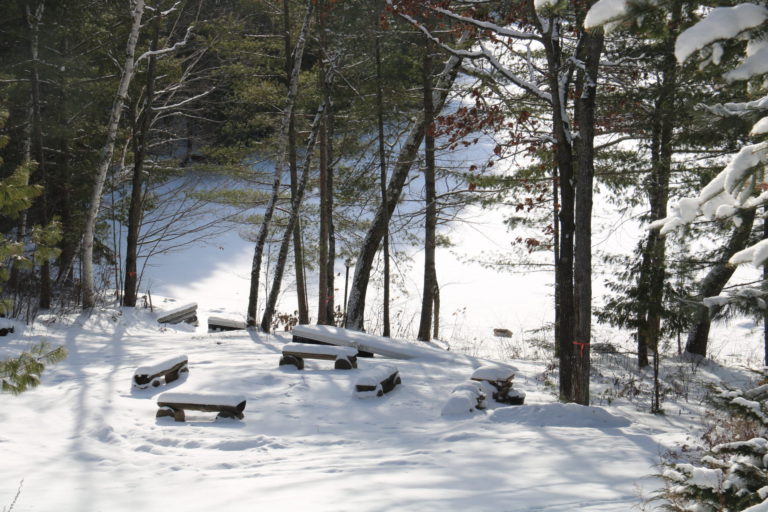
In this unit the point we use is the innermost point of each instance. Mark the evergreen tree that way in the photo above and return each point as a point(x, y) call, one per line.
point(733, 474)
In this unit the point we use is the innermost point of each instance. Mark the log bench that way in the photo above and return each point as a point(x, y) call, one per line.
point(220, 324)
point(294, 354)
point(174, 405)
point(377, 381)
point(466, 398)
point(186, 313)
point(155, 374)
point(500, 377)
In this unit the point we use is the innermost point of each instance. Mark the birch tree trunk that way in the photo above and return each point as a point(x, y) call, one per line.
point(406, 157)
point(105, 158)
point(261, 239)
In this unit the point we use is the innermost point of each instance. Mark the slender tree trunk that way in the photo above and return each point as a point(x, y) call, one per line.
point(322, 288)
point(714, 282)
point(261, 239)
point(327, 246)
point(14, 281)
point(140, 138)
point(653, 269)
point(559, 78)
point(765, 287)
point(436, 314)
point(105, 158)
point(274, 292)
point(430, 220)
point(34, 19)
point(592, 47)
point(386, 329)
point(408, 154)
point(556, 252)
point(298, 247)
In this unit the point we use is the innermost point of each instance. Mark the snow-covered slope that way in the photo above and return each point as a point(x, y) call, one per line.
point(86, 441)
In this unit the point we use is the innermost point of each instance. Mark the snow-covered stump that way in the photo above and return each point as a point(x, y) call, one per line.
point(500, 377)
point(294, 354)
point(377, 381)
point(174, 405)
point(155, 374)
point(186, 313)
point(466, 398)
point(219, 324)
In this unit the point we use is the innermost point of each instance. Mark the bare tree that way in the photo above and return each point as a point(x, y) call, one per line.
point(261, 238)
point(105, 157)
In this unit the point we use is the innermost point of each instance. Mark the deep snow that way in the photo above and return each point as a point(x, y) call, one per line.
point(86, 441)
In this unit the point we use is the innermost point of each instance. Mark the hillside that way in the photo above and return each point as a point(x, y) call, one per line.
point(86, 441)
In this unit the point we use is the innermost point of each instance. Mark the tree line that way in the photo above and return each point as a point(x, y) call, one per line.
point(310, 121)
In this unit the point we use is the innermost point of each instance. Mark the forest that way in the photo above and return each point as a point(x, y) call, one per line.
point(333, 130)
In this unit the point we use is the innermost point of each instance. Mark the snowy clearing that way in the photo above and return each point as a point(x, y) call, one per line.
point(86, 441)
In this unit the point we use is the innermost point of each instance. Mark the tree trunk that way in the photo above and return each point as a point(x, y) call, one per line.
point(591, 46)
point(298, 249)
point(274, 292)
point(430, 220)
point(105, 157)
point(650, 283)
point(261, 239)
point(558, 80)
point(765, 287)
point(33, 20)
point(408, 154)
point(140, 138)
point(382, 179)
point(714, 282)
point(325, 315)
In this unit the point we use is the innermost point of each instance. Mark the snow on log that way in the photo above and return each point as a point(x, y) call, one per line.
point(466, 398)
point(294, 354)
point(174, 404)
point(186, 313)
point(217, 324)
point(377, 381)
point(386, 347)
point(168, 369)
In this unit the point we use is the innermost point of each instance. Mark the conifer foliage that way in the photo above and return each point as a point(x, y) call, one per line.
point(733, 474)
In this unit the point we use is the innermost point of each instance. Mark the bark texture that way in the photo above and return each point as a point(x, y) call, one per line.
point(105, 157)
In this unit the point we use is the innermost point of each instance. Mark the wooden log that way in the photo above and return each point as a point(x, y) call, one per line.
point(345, 357)
point(290, 359)
point(177, 403)
point(167, 370)
point(186, 313)
point(378, 381)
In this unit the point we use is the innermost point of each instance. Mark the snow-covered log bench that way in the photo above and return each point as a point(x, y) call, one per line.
point(466, 398)
point(174, 405)
point(377, 381)
point(500, 377)
point(186, 313)
point(218, 324)
point(168, 370)
point(294, 354)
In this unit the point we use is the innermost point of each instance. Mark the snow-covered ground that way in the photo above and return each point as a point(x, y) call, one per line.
point(85, 440)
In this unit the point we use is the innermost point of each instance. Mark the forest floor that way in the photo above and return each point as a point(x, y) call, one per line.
point(85, 440)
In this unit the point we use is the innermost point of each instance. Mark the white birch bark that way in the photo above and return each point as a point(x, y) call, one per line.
point(107, 151)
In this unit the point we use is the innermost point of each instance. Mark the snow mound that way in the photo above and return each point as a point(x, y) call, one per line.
point(559, 415)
